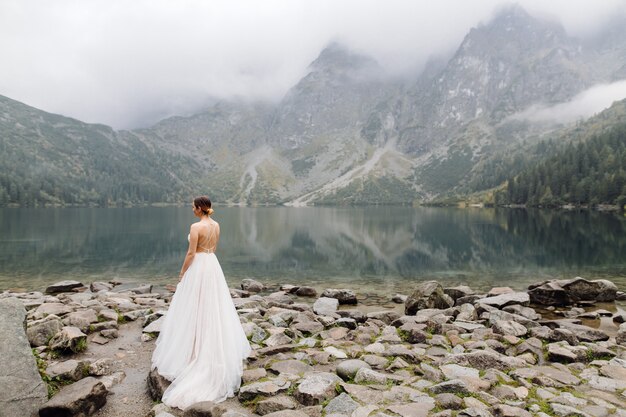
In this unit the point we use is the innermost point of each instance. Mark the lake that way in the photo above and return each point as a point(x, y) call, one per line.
point(374, 250)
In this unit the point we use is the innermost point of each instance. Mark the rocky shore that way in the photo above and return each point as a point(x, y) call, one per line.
point(556, 349)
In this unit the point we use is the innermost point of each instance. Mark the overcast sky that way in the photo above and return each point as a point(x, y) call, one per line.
point(130, 63)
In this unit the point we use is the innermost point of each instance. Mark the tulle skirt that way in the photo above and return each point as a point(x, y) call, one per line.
point(202, 343)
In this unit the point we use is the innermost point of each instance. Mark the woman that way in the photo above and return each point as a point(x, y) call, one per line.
point(202, 343)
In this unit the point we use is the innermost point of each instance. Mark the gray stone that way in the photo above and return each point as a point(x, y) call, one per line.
point(509, 327)
point(579, 289)
point(69, 370)
point(386, 316)
point(100, 367)
point(205, 409)
point(316, 387)
point(346, 322)
point(504, 410)
point(342, 404)
point(449, 401)
point(63, 286)
point(290, 366)
point(584, 333)
point(548, 294)
point(344, 296)
point(453, 386)
point(287, 413)
point(40, 332)
point(58, 309)
point(156, 384)
point(305, 291)
point(484, 360)
point(428, 294)
point(81, 319)
point(82, 398)
point(142, 289)
point(325, 306)
point(347, 369)
point(274, 404)
point(249, 284)
point(100, 286)
point(264, 388)
point(369, 376)
point(69, 339)
point(458, 292)
point(23, 391)
point(503, 300)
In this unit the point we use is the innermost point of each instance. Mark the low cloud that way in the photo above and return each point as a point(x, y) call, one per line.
point(582, 106)
point(130, 63)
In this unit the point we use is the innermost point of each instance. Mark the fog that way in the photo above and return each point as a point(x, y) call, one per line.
point(130, 64)
point(583, 105)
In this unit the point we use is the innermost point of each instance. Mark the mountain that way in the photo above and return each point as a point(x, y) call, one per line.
point(346, 133)
point(51, 159)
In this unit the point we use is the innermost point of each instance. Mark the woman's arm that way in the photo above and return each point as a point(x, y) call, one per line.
point(191, 251)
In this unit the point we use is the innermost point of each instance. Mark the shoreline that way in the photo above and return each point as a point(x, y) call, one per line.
point(560, 345)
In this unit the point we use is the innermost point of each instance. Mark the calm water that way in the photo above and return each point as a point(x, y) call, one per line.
point(372, 249)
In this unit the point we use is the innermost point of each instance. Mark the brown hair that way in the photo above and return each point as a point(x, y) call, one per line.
point(204, 204)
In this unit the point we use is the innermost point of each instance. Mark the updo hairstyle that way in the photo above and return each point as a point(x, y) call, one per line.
point(204, 204)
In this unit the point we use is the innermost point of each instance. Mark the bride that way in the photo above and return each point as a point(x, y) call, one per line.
point(202, 343)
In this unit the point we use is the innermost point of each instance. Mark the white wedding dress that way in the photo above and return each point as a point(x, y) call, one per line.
point(202, 343)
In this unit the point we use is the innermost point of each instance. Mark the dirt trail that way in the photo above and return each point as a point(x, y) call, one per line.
point(131, 355)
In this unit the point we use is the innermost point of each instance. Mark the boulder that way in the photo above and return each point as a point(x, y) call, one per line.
point(23, 391)
point(100, 286)
point(81, 399)
point(274, 404)
point(428, 294)
point(344, 296)
point(267, 388)
point(81, 319)
point(348, 368)
point(506, 299)
point(316, 387)
point(40, 332)
point(290, 366)
point(569, 291)
point(70, 370)
point(305, 291)
point(459, 291)
point(251, 285)
point(63, 286)
point(69, 339)
point(342, 404)
point(580, 289)
point(156, 385)
point(325, 306)
point(58, 309)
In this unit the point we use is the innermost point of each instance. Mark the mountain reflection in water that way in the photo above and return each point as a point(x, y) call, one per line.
point(365, 248)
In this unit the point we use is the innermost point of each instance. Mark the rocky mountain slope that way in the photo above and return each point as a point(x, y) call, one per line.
point(347, 132)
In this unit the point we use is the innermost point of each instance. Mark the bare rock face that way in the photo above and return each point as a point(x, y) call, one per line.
point(428, 294)
point(23, 391)
point(81, 399)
